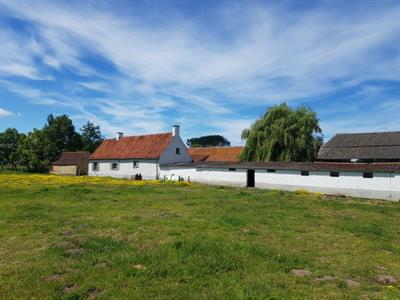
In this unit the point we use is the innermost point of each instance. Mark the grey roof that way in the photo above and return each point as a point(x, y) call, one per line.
point(374, 145)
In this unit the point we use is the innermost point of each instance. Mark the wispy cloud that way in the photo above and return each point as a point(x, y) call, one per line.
point(6, 113)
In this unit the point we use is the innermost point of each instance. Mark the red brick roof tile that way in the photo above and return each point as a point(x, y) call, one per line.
point(141, 146)
point(216, 154)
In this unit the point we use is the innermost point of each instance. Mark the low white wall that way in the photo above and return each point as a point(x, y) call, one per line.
point(206, 175)
point(148, 168)
point(381, 186)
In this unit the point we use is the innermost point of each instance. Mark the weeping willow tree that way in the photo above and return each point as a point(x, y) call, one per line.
point(283, 134)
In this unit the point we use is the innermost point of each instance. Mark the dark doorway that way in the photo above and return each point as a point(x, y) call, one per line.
point(250, 178)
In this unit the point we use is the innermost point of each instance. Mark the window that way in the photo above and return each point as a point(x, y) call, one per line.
point(178, 151)
point(368, 175)
point(232, 169)
point(334, 174)
point(305, 173)
point(135, 164)
point(115, 166)
point(271, 170)
point(95, 166)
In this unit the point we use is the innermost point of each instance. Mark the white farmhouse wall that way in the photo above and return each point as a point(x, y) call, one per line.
point(206, 175)
point(148, 168)
point(381, 186)
point(169, 156)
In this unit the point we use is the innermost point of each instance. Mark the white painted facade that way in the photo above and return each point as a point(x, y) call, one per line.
point(148, 168)
point(381, 186)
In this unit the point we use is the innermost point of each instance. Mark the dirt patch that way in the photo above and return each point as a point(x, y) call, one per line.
point(70, 288)
point(68, 233)
point(65, 245)
point(56, 277)
point(92, 293)
point(301, 273)
point(386, 279)
point(167, 215)
point(325, 278)
point(352, 284)
point(139, 267)
point(75, 251)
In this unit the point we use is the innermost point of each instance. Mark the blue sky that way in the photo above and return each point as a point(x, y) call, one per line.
point(211, 66)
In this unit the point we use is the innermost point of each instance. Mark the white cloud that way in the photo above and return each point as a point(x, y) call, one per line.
point(6, 113)
point(266, 55)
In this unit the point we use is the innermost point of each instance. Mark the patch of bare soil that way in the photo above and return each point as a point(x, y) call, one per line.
point(386, 279)
point(65, 245)
point(56, 277)
point(352, 284)
point(70, 288)
point(92, 293)
point(301, 273)
point(139, 267)
point(325, 278)
point(75, 251)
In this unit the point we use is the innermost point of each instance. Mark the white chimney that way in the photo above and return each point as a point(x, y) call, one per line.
point(119, 135)
point(175, 130)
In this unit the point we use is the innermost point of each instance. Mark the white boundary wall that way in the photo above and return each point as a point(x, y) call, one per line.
point(381, 186)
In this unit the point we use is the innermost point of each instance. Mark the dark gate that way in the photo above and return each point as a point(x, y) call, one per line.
point(250, 178)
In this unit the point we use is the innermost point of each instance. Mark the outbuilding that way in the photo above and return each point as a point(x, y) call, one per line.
point(71, 163)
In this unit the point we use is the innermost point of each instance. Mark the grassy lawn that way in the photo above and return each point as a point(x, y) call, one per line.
point(66, 238)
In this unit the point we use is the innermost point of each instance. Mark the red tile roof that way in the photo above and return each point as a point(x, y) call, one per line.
point(72, 158)
point(140, 146)
point(217, 154)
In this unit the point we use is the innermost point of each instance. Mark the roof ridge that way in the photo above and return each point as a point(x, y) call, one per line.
point(223, 147)
point(150, 134)
point(372, 132)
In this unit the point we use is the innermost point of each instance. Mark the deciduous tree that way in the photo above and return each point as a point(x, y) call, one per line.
point(283, 134)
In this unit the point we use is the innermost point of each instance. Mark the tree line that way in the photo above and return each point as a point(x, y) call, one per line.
point(36, 150)
point(280, 134)
point(208, 141)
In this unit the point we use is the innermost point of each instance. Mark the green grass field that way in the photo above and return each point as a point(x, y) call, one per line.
point(78, 240)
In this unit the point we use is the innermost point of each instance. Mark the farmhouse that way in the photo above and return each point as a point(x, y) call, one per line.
point(71, 163)
point(361, 165)
point(140, 155)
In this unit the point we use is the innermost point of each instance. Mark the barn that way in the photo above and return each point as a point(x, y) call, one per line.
point(71, 163)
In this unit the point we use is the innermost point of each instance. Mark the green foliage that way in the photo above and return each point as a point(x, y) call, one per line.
point(39, 148)
point(283, 134)
point(60, 135)
point(91, 137)
point(208, 141)
point(9, 144)
point(32, 152)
